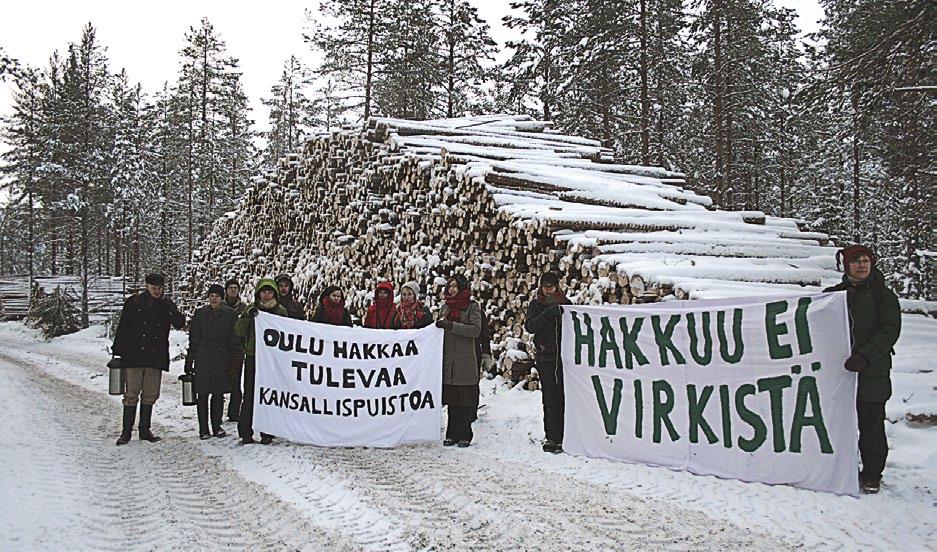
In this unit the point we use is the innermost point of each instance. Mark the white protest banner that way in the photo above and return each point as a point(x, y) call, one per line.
point(751, 389)
point(338, 386)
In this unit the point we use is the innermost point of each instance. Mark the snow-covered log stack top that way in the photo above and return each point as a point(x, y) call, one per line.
point(500, 198)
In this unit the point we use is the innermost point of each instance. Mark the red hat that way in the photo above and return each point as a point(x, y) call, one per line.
point(846, 254)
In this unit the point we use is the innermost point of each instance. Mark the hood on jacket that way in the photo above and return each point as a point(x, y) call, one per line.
point(286, 277)
point(384, 285)
point(328, 290)
point(266, 283)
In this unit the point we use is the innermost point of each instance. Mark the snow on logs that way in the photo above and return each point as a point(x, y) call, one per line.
point(502, 199)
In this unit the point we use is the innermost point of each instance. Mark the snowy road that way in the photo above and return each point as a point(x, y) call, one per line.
point(67, 484)
point(64, 483)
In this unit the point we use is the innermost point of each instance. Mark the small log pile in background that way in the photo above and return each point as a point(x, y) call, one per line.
point(500, 199)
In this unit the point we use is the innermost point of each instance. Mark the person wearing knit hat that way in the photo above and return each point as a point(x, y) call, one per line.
point(460, 318)
point(232, 298)
point(875, 318)
point(544, 320)
point(295, 307)
point(212, 345)
point(331, 308)
point(410, 311)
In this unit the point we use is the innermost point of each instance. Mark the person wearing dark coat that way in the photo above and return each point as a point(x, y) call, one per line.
point(410, 313)
point(544, 320)
point(232, 298)
point(486, 363)
point(266, 299)
point(295, 307)
point(381, 312)
point(142, 343)
point(212, 345)
point(875, 320)
point(460, 318)
point(331, 308)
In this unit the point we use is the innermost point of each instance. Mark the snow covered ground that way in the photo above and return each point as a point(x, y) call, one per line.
point(64, 483)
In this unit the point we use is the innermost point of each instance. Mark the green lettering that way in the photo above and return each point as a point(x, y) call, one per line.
point(751, 418)
point(638, 409)
point(775, 387)
point(807, 390)
point(735, 355)
point(609, 416)
point(697, 421)
point(608, 344)
point(706, 356)
point(775, 329)
point(726, 416)
point(664, 339)
point(629, 341)
point(662, 409)
point(587, 339)
point(804, 343)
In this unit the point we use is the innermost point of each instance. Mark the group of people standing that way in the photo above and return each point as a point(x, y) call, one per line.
point(221, 349)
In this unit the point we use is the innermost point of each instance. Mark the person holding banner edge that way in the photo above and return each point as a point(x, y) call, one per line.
point(266, 299)
point(212, 345)
point(875, 320)
point(544, 320)
point(460, 317)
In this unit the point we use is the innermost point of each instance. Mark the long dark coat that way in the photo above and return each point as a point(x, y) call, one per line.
point(875, 319)
point(213, 343)
point(545, 322)
point(142, 338)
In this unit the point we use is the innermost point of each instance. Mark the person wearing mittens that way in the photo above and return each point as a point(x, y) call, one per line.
point(460, 318)
point(212, 345)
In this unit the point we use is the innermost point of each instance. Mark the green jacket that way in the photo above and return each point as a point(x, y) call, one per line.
point(244, 327)
point(875, 320)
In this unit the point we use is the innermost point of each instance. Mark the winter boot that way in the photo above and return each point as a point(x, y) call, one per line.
point(130, 412)
point(265, 439)
point(552, 447)
point(146, 416)
point(870, 486)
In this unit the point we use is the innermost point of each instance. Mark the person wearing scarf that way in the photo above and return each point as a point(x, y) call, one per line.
point(266, 299)
point(381, 312)
point(410, 313)
point(331, 308)
point(460, 318)
point(544, 320)
point(875, 317)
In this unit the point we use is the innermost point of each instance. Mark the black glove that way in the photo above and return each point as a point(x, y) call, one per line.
point(252, 312)
point(552, 311)
point(856, 363)
point(189, 365)
point(444, 324)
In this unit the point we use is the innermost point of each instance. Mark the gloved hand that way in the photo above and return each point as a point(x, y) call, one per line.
point(856, 363)
point(252, 311)
point(552, 311)
point(444, 324)
point(189, 365)
point(488, 363)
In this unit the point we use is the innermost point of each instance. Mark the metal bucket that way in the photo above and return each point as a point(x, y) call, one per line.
point(116, 382)
point(188, 390)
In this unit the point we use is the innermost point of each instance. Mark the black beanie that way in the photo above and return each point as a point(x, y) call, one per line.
point(155, 279)
point(217, 289)
point(232, 281)
point(461, 280)
point(549, 278)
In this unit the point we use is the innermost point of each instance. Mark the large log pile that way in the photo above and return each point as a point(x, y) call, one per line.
point(501, 199)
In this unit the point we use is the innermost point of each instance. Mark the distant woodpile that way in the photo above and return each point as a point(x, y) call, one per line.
point(501, 199)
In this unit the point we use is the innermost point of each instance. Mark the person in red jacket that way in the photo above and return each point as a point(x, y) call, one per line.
point(381, 312)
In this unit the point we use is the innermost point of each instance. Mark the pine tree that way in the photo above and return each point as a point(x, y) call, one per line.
point(292, 113)
point(467, 46)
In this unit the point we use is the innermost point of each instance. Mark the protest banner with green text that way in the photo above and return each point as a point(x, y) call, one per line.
point(751, 389)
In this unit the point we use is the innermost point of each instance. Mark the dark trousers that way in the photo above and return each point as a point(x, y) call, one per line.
point(217, 408)
point(234, 374)
point(246, 418)
point(551, 387)
point(873, 445)
point(459, 424)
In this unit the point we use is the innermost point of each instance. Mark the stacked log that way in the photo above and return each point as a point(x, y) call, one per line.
point(500, 199)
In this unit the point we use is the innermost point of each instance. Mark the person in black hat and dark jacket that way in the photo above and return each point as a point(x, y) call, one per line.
point(232, 298)
point(331, 308)
point(295, 307)
point(212, 346)
point(875, 320)
point(544, 320)
point(142, 343)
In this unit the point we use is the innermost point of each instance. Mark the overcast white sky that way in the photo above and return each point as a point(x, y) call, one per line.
point(145, 38)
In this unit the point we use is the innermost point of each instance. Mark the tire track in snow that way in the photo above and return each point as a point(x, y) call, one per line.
point(72, 485)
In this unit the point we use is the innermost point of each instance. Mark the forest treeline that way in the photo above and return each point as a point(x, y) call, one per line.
point(835, 129)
